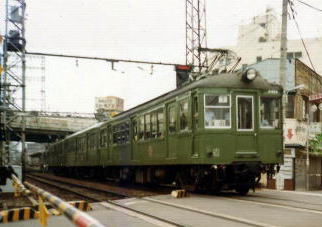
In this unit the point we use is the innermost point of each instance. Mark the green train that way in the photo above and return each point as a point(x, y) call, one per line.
point(220, 132)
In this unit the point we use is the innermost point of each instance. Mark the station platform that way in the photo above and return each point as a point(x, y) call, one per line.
point(263, 208)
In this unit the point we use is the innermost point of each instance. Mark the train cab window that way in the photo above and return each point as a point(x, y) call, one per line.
point(245, 113)
point(183, 114)
point(217, 111)
point(160, 129)
point(172, 119)
point(269, 112)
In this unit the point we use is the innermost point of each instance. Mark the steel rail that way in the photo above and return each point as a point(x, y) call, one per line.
point(209, 213)
point(123, 209)
point(81, 186)
point(78, 217)
point(277, 205)
point(66, 188)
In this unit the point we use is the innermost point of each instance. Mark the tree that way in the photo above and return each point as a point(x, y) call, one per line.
point(316, 143)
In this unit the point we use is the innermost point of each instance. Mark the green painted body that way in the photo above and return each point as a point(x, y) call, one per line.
point(195, 146)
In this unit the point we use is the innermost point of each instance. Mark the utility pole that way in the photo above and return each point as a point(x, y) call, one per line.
point(283, 62)
point(283, 46)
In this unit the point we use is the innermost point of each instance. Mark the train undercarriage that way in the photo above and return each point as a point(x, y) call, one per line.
point(240, 177)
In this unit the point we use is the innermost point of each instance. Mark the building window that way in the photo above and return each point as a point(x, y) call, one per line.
point(290, 106)
point(316, 115)
point(183, 114)
point(305, 107)
point(269, 112)
point(217, 111)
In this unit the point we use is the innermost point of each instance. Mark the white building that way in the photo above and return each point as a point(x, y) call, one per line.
point(109, 103)
point(260, 40)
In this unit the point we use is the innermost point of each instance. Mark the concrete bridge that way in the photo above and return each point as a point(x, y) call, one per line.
point(47, 127)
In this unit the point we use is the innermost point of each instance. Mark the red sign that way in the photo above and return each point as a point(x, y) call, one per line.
point(315, 97)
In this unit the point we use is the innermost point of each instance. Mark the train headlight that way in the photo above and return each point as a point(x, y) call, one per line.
point(249, 75)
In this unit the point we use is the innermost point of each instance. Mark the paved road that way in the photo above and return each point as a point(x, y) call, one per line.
point(263, 208)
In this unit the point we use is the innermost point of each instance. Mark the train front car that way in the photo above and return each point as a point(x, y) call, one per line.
point(242, 130)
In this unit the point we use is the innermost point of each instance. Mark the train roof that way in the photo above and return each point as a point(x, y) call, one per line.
point(226, 80)
point(97, 125)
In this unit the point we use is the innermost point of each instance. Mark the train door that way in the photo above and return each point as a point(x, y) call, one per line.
point(246, 130)
point(171, 130)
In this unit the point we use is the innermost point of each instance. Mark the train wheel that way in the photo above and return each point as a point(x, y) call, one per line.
point(242, 190)
point(182, 182)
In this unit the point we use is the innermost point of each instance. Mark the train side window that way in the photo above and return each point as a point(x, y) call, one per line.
point(121, 133)
point(135, 130)
point(160, 129)
point(195, 112)
point(141, 128)
point(172, 119)
point(183, 113)
point(103, 138)
point(269, 112)
point(147, 126)
point(217, 111)
point(245, 113)
point(154, 125)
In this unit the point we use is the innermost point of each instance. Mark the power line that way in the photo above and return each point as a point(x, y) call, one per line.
point(307, 4)
point(112, 60)
point(298, 29)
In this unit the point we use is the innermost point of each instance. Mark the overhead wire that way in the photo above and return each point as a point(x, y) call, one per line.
point(300, 34)
point(307, 4)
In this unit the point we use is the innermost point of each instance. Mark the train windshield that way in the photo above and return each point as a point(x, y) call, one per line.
point(217, 111)
point(269, 112)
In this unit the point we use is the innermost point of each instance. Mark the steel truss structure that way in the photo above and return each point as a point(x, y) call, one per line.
point(196, 35)
point(12, 81)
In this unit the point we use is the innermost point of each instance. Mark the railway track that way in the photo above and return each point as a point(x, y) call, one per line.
point(256, 200)
point(99, 193)
point(90, 194)
point(101, 187)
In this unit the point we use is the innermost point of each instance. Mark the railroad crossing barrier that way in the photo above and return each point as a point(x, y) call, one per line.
point(18, 186)
point(78, 217)
point(18, 214)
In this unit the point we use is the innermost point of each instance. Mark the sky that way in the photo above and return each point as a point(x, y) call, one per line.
point(147, 30)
